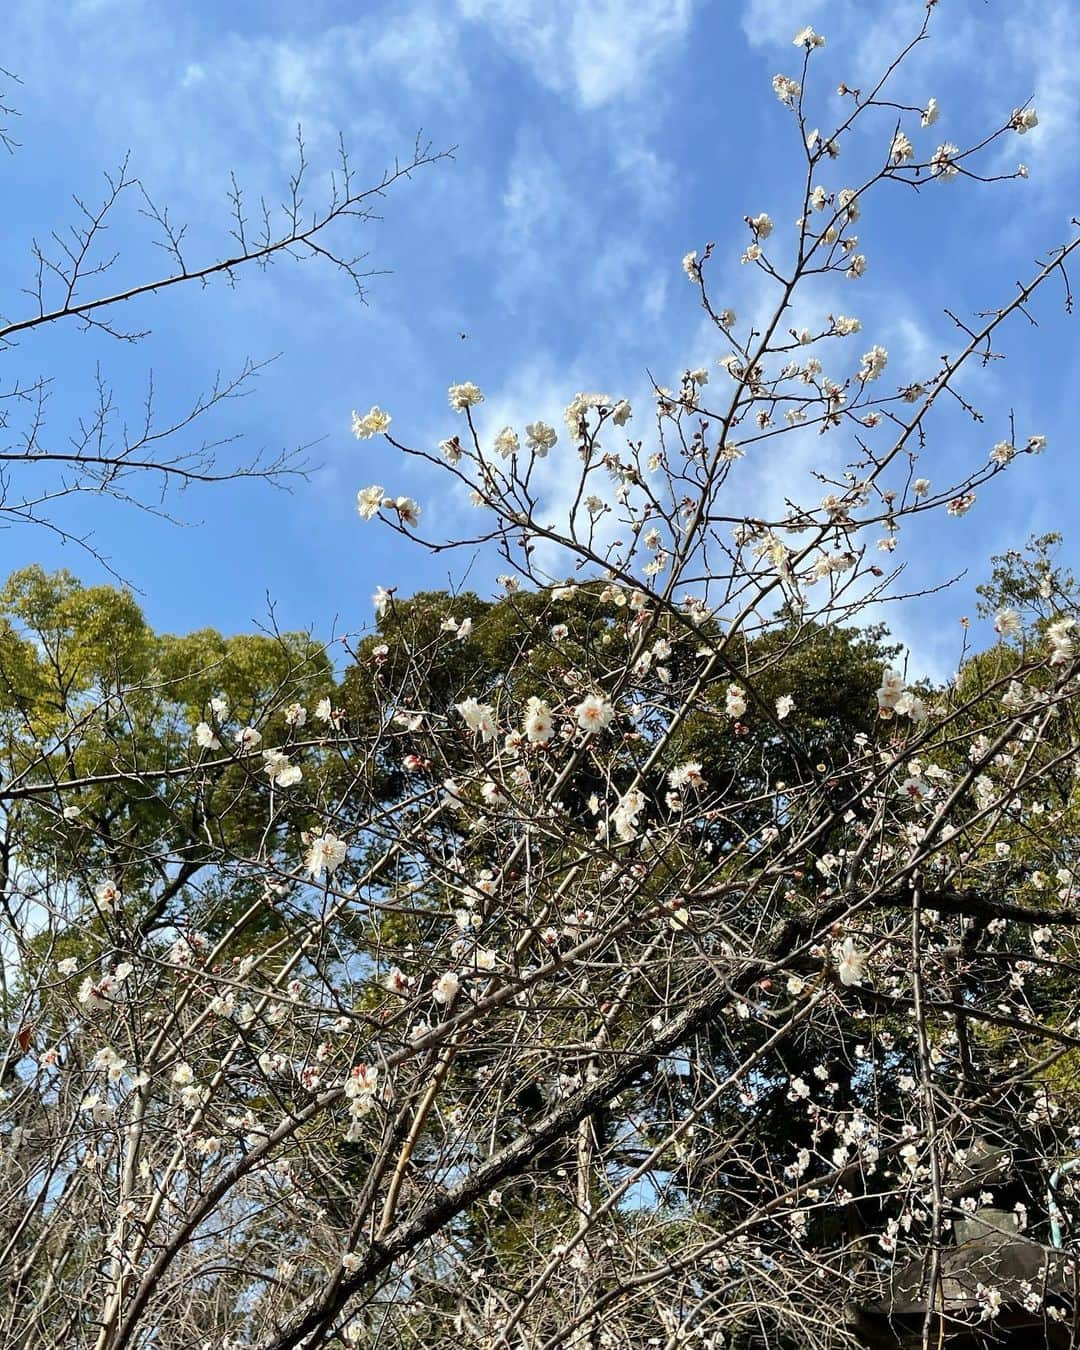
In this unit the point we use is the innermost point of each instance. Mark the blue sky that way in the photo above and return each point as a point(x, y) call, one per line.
point(596, 144)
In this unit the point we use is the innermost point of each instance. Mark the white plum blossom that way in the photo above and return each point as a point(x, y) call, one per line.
point(761, 225)
point(890, 692)
point(326, 852)
point(279, 770)
point(107, 897)
point(295, 715)
point(691, 266)
point(735, 702)
point(1023, 120)
point(942, 161)
point(873, 363)
point(507, 443)
point(540, 438)
point(626, 813)
point(247, 738)
point(784, 705)
point(408, 511)
point(1007, 622)
point(371, 424)
point(1061, 641)
point(850, 962)
point(686, 775)
point(594, 714)
point(578, 407)
point(462, 396)
point(806, 37)
point(902, 149)
point(479, 717)
point(538, 724)
point(786, 89)
point(446, 988)
point(368, 501)
point(848, 201)
point(205, 738)
point(990, 1300)
point(931, 113)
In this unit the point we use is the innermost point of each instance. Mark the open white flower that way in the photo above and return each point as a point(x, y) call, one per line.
point(479, 717)
point(279, 770)
point(368, 501)
point(1007, 622)
point(408, 511)
point(205, 738)
point(539, 438)
point(538, 724)
point(786, 89)
point(873, 363)
point(326, 852)
point(464, 396)
point(107, 896)
point(761, 224)
point(370, 424)
point(850, 962)
point(594, 714)
point(507, 443)
point(686, 775)
point(445, 988)
point(247, 738)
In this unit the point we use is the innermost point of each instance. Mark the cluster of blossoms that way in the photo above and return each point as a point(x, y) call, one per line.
point(593, 714)
point(360, 1091)
point(894, 698)
point(627, 812)
point(479, 718)
point(97, 995)
point(873, 363)
point(370, 500)
point(280, 770)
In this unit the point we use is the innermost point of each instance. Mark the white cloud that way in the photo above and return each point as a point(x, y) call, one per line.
point(598, 52)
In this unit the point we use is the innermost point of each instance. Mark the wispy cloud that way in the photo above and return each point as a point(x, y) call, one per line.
point(598, 52)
